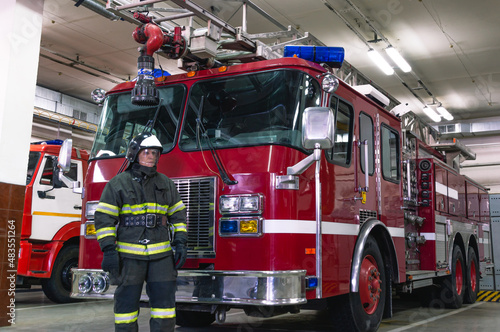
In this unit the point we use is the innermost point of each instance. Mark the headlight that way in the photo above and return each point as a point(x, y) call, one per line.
point(229, 204)
point(100, 283)
point(90, 208)
point(330, 83)
point(85, 283)
point(248, 204)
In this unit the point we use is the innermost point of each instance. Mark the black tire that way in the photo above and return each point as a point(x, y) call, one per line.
point(58, 287)
point(472, 277)
point(193, 318)
point(360, 311)
point(453, 287)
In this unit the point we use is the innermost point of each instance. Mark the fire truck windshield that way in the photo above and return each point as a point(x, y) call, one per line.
point(32, 163)
point(121, 121)
point(249, 110)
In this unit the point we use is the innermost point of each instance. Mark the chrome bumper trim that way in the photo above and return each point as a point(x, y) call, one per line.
point(224, 287)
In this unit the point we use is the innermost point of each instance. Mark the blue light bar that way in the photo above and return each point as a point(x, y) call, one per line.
point(332, 56)
point(160, 73)
point(52, 142)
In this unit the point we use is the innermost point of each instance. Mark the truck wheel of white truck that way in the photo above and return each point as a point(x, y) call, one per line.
point(58, 287)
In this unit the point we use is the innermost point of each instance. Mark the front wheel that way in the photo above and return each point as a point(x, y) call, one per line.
point(363, 310)
point(472, 275)
point(58, 287)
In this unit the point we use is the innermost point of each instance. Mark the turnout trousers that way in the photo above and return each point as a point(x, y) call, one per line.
point(160, 277)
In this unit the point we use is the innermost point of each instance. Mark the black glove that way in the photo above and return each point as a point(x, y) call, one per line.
point(111, 262)
point(180, 255)
point(179, 243)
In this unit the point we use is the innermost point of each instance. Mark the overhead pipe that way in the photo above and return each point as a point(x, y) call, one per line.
point(97, 8)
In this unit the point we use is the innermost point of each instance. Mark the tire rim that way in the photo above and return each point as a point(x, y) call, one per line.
point(459, 276)
point(67, 274)
point(369, 284)
point(473, 280)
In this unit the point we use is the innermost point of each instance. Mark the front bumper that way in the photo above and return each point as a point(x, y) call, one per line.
point(221, 287)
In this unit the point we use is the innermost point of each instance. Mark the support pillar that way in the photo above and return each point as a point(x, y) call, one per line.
point(21, 27)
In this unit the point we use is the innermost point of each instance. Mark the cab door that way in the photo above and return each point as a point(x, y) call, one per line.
point(54, 206)
point(366, 167)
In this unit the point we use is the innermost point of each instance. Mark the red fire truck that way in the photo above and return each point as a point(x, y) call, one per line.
point(301, 191)
point(50, 231)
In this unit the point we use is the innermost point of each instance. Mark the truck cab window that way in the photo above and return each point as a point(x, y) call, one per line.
point(121, 121)
point(33, 159)
point(390, 153)
point(341, 152)
point(249, 110)
point(48, 170)
point(366, 133)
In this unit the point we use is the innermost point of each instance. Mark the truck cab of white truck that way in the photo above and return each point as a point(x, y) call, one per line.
point(51, 218)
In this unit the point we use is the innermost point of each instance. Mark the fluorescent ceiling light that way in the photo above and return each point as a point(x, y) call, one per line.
point(431, 114)
point(380, 62)
point(444, 113)
point(398, 59)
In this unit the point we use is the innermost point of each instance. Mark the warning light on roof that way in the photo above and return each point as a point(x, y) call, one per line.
point(332, 56)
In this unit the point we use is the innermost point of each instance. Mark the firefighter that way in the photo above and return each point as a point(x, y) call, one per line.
point(138, 212)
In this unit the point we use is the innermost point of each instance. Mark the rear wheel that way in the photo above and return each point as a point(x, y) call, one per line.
point(363, 310)
point(472, 280)
point(58, 287)
point(194, 318)
point(453, 287)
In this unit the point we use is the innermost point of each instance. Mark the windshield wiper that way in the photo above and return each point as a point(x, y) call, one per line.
point(199, 127)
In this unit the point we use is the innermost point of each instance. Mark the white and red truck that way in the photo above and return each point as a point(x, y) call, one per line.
point(50, 232)
point(301, 191)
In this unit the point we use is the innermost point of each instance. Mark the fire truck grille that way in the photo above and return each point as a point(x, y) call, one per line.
point(198, 194)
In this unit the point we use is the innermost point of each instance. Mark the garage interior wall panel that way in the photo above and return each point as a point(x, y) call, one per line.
point(495, 235)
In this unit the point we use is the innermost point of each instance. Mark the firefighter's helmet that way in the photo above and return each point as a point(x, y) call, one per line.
point(140, 142)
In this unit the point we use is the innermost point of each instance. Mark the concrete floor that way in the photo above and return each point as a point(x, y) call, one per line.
point(34, 312)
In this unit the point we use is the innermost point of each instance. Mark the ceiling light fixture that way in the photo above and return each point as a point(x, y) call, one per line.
point(432, 114)
point(444, 113)
point(398, 59)
point(380, 62)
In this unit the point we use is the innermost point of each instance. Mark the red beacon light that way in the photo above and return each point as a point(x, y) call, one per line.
point(332, 56)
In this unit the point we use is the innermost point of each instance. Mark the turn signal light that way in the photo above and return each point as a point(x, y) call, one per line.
point(90, 231)
point(249, 226)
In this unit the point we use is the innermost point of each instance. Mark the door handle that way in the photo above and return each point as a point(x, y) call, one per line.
point(364, 146)
point(77, 207)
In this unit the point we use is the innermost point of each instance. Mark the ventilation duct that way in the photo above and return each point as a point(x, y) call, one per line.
point(468, 129)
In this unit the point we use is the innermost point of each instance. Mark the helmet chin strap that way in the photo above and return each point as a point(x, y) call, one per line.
point(124, 165)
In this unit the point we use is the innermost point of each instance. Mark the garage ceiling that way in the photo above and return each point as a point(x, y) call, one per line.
point(451, 45)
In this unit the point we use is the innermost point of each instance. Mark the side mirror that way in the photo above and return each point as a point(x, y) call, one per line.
point(56, 171)
point(64, 160)
point(64, 166)
point(318, 128)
